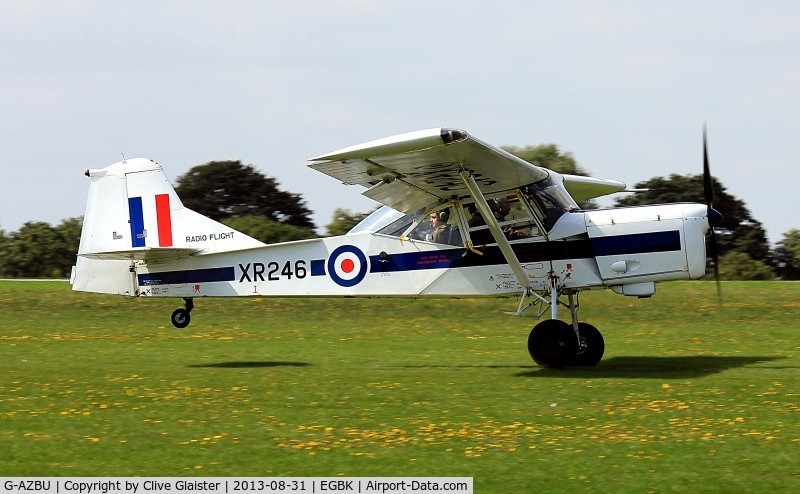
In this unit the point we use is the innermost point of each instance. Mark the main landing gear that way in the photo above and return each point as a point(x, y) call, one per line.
point(181, 317)
point(556, 344)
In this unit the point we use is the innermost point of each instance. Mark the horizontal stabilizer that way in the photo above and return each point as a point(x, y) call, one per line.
point(145, 254)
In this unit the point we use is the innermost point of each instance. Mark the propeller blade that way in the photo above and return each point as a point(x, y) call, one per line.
point(708, 187)
point(713, 216)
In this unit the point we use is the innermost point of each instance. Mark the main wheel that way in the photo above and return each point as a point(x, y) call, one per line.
point(592, 346)
point(181, 318)
point(552, 343)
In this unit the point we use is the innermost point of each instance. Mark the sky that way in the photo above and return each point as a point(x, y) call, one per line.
point(624, 86)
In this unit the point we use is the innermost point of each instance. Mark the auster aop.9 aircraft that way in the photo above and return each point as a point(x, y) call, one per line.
point(460, 218)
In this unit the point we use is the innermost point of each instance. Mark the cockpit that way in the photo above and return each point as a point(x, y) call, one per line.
point(524, 214)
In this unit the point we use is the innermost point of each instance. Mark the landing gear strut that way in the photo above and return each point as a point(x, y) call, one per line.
point(181, 317)
point(556, 344)
point(591, 346)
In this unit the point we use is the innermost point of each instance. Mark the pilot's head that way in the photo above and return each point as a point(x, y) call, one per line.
point(438, 218)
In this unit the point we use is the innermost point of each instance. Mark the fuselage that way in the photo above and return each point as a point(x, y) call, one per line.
point(583, 249)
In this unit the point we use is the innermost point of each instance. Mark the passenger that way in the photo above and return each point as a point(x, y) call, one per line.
point(478, 237)
point(514, 212)
point(501, 209)
point(475, 218)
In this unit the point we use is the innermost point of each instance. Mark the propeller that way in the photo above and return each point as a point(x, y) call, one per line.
point(714, 216)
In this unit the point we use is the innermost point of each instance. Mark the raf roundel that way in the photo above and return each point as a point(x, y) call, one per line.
point(347, 265)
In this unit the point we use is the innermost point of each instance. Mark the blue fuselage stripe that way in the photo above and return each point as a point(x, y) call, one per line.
point(638, 243)
point(318, 267)
point(191, 276)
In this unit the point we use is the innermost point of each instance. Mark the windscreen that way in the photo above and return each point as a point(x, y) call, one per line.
point(551, 198)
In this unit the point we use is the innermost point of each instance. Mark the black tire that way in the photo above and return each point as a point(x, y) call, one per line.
point(592, 353)
point(181, 318)
point(553, 344)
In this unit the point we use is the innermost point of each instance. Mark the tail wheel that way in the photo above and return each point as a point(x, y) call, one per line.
point(591, 347)
point(552, 343)
point(181, 318)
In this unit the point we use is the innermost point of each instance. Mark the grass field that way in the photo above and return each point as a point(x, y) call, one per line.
point(690, 397)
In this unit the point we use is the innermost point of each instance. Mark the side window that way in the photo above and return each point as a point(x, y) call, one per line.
point(440, 227)
point(511, 213)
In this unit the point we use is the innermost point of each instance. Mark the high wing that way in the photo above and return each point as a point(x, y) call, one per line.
point(412, 170)
point(417, 169)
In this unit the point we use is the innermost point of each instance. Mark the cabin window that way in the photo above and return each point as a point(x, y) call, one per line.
point(378, 220)
point(398, 226)
point(512, 214)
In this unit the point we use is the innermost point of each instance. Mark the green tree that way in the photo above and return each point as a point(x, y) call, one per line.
point(787, 255)
point(739, 266)
point(223, 189)
point(38, 250)
point(343, 221)
point(69, 230)
point(738, 231)
point(267, 230)
point(548, 156)
point(3, 240)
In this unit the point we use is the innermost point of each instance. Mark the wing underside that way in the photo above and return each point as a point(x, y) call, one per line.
point(420, 168)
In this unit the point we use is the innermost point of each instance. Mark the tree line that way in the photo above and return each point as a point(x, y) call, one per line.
point(245, 199)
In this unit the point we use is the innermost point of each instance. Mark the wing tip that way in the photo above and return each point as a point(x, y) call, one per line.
point(453, 135)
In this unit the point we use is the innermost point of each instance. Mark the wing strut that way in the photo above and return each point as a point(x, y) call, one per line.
point(494, 227)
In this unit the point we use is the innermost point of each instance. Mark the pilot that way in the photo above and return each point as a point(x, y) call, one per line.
point(442, 232)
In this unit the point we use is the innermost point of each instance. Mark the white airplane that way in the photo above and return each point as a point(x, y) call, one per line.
point(460, 218)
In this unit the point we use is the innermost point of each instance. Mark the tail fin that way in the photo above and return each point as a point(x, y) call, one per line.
point(134, 214)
